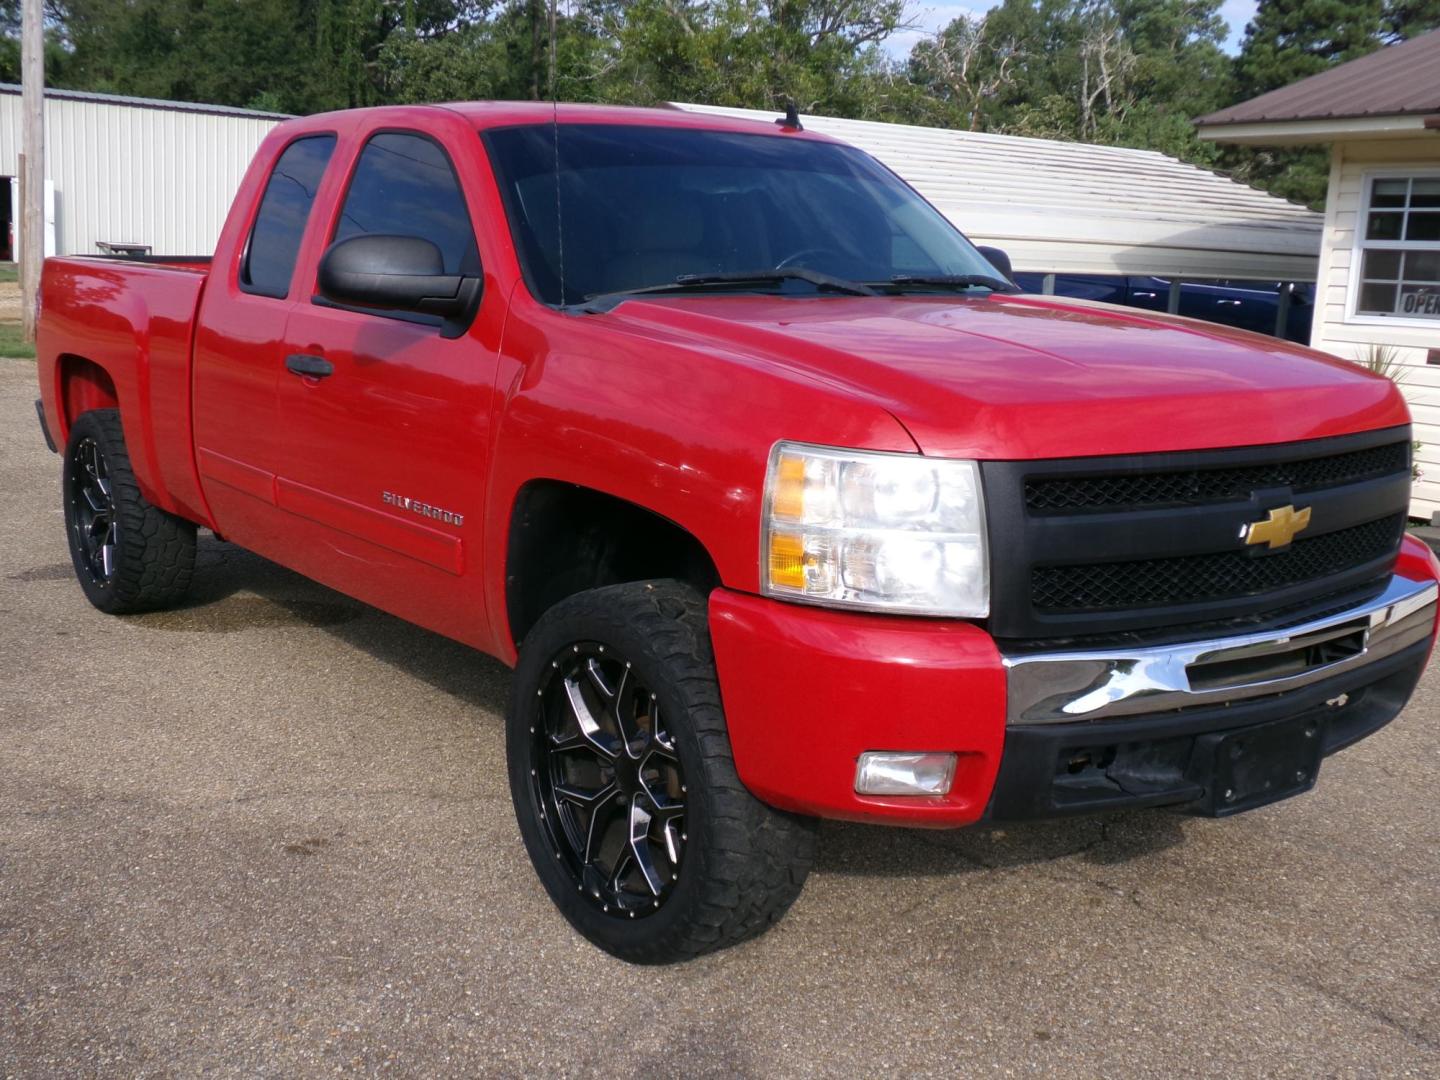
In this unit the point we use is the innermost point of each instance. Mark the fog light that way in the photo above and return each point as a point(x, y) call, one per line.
point(892, 773)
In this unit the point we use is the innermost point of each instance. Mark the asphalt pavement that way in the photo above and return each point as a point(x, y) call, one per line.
point(269, 835)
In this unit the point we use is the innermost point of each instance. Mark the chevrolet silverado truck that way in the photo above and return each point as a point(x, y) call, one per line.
point(782, 501)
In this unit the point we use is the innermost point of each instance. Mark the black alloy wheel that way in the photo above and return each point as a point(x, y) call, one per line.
point(624, 782)
point(611, 786)
point(129, 555)
point(92, 511)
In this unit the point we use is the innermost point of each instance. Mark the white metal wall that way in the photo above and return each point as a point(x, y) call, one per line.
point(137, 173)
point(1336, 333)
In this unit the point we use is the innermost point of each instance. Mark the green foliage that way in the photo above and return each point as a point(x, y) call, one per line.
point(1290, 40)
point(1122, 72)
point(1410, 18)
point(12, 341)
point(1125, 72)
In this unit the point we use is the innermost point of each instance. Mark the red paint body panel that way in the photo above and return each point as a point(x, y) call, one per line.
point(672, 404)
point(807, 691)
point(1015, 378)
point(135, 323)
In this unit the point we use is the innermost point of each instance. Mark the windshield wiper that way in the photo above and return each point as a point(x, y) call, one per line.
point(603, 302)
point(902, 282)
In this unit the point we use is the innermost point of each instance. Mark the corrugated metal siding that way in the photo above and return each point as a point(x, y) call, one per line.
point(1420, 381)
point(135, 173)
point(1075, 208)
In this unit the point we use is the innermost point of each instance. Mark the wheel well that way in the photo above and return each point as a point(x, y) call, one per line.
point(565, 539)
point(84, 385)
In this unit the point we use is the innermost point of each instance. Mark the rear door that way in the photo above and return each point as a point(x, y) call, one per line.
point(238, 346)
point(384, 455)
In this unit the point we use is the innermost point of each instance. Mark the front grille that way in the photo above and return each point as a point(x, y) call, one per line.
point(1193, 487)
point(1200, 578)
point(1150, 544)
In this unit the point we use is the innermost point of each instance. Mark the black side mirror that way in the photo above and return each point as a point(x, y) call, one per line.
point(398, 273)
point(999, 260)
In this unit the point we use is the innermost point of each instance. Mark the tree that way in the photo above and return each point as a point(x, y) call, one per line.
point(1290, 40)
point(1409, 18)
point(1287, 41)
point(1127, 72)
point(964, 67)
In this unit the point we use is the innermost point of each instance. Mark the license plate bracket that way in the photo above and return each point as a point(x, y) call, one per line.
point(1257, 765)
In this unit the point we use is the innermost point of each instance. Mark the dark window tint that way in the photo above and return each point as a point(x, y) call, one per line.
point(284, 209)
point(404, 186)
point(627, 207)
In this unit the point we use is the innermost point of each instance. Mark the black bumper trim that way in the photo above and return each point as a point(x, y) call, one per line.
point(44, 427)
point(1055, 770)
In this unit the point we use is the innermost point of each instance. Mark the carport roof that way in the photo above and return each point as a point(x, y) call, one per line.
point(1059, 207)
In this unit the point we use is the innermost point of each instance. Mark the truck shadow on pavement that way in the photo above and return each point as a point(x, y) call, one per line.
point(236, 590)
point(858, 850)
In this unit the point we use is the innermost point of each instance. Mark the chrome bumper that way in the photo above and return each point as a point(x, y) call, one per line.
point(1062, 687)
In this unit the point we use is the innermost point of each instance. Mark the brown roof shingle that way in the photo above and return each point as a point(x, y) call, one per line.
point(1401, 80)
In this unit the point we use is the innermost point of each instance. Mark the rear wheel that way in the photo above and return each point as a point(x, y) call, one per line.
point(625, 786)
point(129, 556)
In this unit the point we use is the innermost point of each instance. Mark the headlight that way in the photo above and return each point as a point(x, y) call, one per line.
point(883, 532)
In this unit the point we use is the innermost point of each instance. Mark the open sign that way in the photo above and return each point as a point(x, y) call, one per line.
point(1424, 303)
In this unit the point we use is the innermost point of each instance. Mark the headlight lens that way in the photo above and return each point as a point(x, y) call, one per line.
point(884, 532)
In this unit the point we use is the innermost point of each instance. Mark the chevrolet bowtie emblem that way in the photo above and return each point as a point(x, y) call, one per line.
point(1278, 529)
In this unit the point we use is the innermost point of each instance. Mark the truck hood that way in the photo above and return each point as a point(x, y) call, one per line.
point(1023, 377)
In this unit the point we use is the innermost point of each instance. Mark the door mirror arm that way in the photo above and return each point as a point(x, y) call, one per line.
point(999, 260)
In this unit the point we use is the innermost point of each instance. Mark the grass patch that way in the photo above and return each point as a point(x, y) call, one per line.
point(13, 343)
point(9, 272)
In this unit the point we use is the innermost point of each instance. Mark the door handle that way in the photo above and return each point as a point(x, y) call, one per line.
point(316, 367)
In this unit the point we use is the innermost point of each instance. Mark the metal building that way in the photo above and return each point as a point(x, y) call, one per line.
point(130, 172)
point(1074, 208)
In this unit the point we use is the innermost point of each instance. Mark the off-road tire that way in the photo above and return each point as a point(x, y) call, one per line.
point(152, 552)
point(742, 864)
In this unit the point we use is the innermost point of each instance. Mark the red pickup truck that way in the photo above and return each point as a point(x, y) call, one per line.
point(781, 499)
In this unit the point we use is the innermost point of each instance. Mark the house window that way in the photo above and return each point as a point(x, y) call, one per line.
point(1400, 249)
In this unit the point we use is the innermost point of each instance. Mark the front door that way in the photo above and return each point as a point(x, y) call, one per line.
point(385, 420)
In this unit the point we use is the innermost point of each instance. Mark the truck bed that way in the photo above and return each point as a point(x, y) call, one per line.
point(134, 318)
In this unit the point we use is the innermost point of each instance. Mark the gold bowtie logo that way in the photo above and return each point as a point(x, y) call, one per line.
point(1278, 529)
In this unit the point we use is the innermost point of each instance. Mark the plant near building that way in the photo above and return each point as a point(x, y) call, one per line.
point(1389, 361)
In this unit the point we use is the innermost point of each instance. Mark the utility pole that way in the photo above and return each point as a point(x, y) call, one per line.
point(32, 169)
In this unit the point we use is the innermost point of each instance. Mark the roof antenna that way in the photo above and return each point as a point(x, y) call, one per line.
point(791, 120)
point(555, 132)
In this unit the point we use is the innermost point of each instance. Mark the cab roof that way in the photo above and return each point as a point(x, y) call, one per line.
point(493, 114)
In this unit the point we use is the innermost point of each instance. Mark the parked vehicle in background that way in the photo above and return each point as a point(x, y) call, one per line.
point(1248, 305)
point(782, 503)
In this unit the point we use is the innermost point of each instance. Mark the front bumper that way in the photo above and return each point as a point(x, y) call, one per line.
point(1041, 734)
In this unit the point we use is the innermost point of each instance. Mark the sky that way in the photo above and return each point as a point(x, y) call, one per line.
point(933, 15)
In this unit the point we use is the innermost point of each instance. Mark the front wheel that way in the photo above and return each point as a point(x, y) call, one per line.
point(625, 786)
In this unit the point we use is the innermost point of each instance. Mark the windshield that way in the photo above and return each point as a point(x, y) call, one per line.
point(642, 206)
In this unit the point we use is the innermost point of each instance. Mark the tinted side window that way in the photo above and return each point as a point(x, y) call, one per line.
point(404, 186)
point(284, 209)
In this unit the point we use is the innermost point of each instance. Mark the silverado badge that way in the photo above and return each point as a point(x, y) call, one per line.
point(1278, 529)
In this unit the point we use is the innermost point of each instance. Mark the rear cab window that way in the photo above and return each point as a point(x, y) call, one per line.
point(269, 259)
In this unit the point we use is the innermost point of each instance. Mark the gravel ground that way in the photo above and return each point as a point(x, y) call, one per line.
point(268, 835)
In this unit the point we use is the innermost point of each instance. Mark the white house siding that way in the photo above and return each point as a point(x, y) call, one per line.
point(133, 171)
point(1335, 332)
